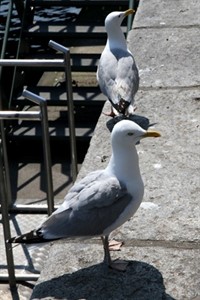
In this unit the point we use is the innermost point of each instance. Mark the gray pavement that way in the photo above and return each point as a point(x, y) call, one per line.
point(162, 240)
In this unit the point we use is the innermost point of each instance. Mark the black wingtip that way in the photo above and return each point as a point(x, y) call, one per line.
point(32, 237)
point(11, 240)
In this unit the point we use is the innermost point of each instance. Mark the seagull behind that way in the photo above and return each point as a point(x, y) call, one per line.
point(117, 73)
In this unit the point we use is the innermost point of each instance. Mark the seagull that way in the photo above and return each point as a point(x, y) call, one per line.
point(103, 200)
point(117, 73)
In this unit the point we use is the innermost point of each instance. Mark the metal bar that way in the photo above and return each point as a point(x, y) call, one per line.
point(32, 115)
point(5, 163)
point(71, 116)
point(58, 47)
point(28, 208)
point(46, 146)
point(68, 82)
point(32, 62)
point(6, 225)
point(20, 277)
point(4, 150)
point(5, 188)
point(130, 17)
point(5, 39)
point(47, 157)
point(33, 97)
point(12, 87)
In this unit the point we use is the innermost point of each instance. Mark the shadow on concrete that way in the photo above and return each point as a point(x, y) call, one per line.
point(141, 281)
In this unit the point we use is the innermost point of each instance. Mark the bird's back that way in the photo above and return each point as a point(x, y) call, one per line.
point(118, 77)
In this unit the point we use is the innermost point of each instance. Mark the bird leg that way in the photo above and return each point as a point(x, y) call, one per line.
point(107, 258)
point(119, 265)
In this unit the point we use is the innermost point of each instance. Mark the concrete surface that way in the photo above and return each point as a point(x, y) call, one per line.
point(174, 63)
point(162, 240)
point(167, 13)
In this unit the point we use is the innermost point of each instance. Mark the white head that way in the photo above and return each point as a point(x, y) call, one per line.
point(115, 18)
point(127, 132)
point(116, 38)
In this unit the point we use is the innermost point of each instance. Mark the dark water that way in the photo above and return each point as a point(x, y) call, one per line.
point(53, 14)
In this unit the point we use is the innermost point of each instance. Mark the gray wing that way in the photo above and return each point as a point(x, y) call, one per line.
point(118, 77)
point(94, 207)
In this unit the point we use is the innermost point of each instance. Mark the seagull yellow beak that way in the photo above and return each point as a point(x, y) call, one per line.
point(151, 133)
point(128, 12)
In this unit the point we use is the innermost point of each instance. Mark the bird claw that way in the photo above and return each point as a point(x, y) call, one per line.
point(130, 111)
point(111, 114)
point(114, 245)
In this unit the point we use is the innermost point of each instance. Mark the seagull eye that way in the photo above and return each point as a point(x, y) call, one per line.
point(130, 133)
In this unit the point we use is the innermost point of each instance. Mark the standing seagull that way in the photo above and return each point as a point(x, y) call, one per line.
point(117, 72)
point(103, 200)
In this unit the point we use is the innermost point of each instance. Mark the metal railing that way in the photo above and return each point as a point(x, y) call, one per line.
point(65, 63)
point(130, 17)
point(5, 192)
point(33, 115)
point(5, 187)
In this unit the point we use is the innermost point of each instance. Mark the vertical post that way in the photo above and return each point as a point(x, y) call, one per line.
point(71, 115)
point(70, 102)
point(130, 17)
point(4, 148)
point(47, 156)
point(6, 33)
point(46, 145)
point(6, 225)
point(5, 164)
point(18, 50)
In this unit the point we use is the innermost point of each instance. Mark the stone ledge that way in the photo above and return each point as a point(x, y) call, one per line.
point(167, 13)
point(167, 57)
point(153, 273)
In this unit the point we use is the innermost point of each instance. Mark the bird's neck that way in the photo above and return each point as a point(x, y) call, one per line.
point(125, 163)
point(116, 39)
